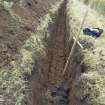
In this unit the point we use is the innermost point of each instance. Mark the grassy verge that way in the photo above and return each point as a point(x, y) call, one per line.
point(14, 89)
point(91, 84)
point(98, 5)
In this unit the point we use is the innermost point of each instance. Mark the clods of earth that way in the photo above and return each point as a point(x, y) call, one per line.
point(59, 94)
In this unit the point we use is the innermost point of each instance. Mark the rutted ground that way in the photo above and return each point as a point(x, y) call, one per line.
point(18, 21)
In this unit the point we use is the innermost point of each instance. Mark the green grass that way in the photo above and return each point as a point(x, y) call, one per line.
point(99, 5)
point(7, 4)
point(91, 82)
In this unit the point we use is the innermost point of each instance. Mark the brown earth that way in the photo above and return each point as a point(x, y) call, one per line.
point(14, 33)
point(49, 73)
point(54, 64)
point(32, 11)
point(17, 24)
point(56, 50)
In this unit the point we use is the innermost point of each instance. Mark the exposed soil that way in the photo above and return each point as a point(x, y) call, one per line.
point(48, 72)
point(32, 11)
point(17, 24)
point(48, 82)
point(55, 61)
point(11, 37)
point(56, 48)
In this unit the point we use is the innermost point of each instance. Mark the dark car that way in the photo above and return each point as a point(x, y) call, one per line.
point(95, 32)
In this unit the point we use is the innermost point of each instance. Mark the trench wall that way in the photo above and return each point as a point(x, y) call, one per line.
point(48, 70)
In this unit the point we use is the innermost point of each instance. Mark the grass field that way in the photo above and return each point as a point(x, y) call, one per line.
point(94, 48)
point(99, 5)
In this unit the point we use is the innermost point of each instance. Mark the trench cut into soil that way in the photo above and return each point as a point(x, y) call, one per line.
point(56, 49)
point(47, 88)
point(55, 61)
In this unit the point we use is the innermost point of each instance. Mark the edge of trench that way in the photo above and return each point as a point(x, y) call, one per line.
point(49, 76)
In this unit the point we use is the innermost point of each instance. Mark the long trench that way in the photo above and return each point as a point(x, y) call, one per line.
point(49, 73)
point(56, 49)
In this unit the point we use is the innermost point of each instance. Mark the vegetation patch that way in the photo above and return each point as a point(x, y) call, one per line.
point(98, 5)
point(91, 85)
point(7, 4)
